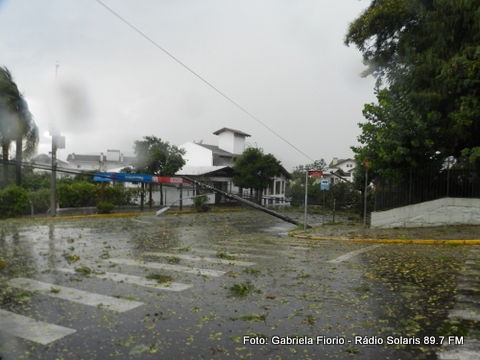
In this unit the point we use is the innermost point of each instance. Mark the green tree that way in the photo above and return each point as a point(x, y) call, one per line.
point(255, 170)
point(296, 185)
point(426, 54)
point(157, 157)
point(16, 124)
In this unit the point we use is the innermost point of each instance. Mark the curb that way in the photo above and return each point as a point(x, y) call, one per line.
point(416, 241)
point(96, 216)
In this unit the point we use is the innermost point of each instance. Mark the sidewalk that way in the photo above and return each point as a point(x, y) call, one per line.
point(347, 230)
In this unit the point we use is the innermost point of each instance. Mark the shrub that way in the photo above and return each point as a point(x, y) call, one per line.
point(120, 195)
point(78, 194)
point(105, 207)
point(40, 200)
point(13, 201)
point(200, 203)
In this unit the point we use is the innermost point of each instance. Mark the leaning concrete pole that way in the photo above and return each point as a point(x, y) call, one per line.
point(243, 201)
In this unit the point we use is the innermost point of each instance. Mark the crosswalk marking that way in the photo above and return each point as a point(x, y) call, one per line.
point(200, 258)
point(30, 329)
point(136, 280)
point(351, 254)
point(78, 296)
point(152, 265)
point(233, 253)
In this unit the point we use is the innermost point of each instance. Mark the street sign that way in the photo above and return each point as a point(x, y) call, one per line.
point(315, 174)
point(366, 164)
point(169, 180)
point(145, 178)
point(324, 185)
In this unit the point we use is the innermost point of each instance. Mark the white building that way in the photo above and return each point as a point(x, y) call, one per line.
point(102, 162)
point(214, 164)
point(340, 170)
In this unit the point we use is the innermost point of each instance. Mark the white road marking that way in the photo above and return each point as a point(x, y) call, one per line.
point(31, 329)
point(78, 296)
point(201, 258)
point(152, 265)
point(143, 222)
point(136, 280)
point(233, 253)
point(351, 254)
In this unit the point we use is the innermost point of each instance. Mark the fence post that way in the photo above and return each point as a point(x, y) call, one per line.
point(410, 188)
point(448, 176)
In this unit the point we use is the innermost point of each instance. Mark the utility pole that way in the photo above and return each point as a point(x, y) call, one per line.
point(58, 142)
point(53, 182)
point(306, 201)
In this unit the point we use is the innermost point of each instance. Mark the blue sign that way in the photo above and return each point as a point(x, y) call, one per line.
point(324, 185)
point(120, 177)
point(105, 177)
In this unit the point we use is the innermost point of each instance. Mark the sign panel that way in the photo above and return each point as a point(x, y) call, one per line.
point(103, 176)
point(169, 180)
point(121, 177)
point(324, 185)
point(315, 174)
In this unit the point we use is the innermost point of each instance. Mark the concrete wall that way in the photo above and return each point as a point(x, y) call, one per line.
point(446, 211)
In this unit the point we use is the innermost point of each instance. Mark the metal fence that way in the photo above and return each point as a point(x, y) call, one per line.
point(426, 184)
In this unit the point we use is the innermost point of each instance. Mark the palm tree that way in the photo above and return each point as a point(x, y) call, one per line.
point(16, 124)
point(28, 134)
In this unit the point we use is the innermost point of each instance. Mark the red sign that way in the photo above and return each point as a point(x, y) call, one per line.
point(366, 165)
point(315, 174)
point(168, 180)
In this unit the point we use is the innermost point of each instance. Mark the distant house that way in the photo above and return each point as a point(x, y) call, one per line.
point(113, 159)
point(43, 163)
point(340, 170)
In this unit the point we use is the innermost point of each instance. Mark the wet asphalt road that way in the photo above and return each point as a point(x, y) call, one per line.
point(332, 295)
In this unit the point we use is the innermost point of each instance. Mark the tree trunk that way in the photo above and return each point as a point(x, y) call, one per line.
point(18, 160)
point(5, 165)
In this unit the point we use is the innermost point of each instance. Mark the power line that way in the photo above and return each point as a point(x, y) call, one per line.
point(201, 78)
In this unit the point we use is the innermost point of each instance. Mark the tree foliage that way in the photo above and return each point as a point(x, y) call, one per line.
point(425, 55)
point(157, 157)
point(255, 170)
point(296, 185)
point(16, 124)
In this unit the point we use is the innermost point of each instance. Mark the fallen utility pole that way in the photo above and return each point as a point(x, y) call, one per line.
point(244, 201)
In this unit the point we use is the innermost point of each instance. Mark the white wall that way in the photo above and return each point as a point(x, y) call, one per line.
point(446, 211)
point(197, 155)
point(226, 141)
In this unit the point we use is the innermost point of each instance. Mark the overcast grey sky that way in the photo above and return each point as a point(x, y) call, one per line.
point(283, 61)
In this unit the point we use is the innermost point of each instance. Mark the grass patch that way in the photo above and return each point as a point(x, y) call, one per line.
point(184, 249)
point(225, 256)
point(253, 318)
point(173, 260)
point(84, 270)
point(302, 275)
point(160, 278)
point(309, 319)
point(251, 271)
point(72, 257)
point(452, 328)
point(242, 289)
point(363, 288)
